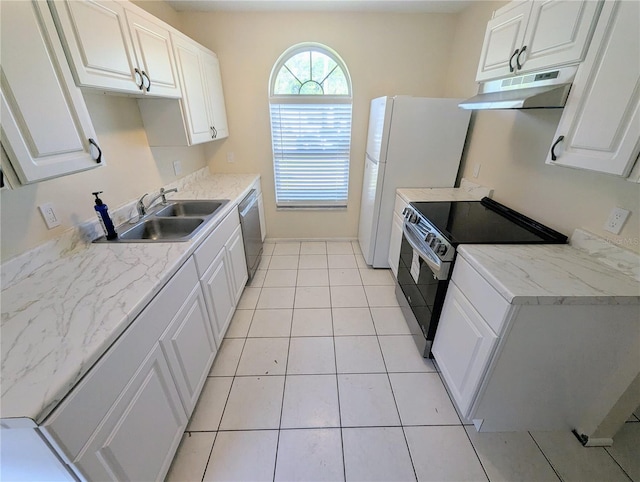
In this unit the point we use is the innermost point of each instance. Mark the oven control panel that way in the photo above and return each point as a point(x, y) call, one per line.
point(433, 239)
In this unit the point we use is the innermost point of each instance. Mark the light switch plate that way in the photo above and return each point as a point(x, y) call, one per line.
point(616, 220)
point(177, 167)
point(49, 215)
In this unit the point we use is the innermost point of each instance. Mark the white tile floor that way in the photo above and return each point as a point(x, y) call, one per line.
point(318, 379)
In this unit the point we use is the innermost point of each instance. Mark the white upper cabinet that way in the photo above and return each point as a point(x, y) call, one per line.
point(154, 52)
point(600, 126)
point(200, 115)
point(526, 36)
point(41, 143)
point(117, 46)
point(213, 83)
point(503, 37)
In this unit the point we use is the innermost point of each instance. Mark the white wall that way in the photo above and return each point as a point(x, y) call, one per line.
point(511, 146)
point(386, 54)
point(131, 169)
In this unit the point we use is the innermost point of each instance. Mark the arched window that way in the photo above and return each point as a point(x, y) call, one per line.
point(310, 104)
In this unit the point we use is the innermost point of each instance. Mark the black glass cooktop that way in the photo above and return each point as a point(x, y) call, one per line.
point(485, 222)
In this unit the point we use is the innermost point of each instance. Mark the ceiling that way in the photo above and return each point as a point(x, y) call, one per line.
point(406, 6)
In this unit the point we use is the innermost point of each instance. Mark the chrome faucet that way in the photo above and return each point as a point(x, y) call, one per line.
point(142, 210)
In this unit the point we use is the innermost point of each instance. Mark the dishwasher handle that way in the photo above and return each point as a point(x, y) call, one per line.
point(247, 203)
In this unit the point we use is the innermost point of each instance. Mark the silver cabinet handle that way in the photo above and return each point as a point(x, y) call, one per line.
point(148, 86)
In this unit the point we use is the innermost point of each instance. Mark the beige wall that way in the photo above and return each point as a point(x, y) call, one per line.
point(161, 10)
point(386, 54)
point(511, 146)
point(131, 169)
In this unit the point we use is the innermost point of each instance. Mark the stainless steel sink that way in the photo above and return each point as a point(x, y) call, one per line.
point(161, 229)
point(190, 208)
point(177, 221)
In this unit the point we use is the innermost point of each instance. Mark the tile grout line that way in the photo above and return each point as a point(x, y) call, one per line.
point(335, 360)
point(545, 456)
point(284, 384)
point(617, 463)
point(404, 434)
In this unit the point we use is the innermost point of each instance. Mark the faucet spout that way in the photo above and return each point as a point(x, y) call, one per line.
point(140, 205)
point(162, 194)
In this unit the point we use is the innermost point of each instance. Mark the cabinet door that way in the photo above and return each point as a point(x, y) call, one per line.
point(463, 346)
point(41, 142)
point(558, 33)
point(154, 53)
point(194, 98)
point(213, 84)
point(219, 296)
point(504, 35)
point(238, 263)
point(98, 44)
point(395, 241)
point(600, 123)
point(190, 348)
point(139, 436)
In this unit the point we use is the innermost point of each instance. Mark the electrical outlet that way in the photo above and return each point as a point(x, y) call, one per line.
point(177, 167)
point(616, 220)
point(231, 158)
point(49, 215)
point(476, 170)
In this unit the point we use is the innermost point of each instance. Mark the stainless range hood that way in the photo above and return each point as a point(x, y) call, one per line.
point(536, 90)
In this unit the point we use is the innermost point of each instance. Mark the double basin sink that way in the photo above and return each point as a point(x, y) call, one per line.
point(175, 221)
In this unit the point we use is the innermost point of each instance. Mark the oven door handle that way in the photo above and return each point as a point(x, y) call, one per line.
point(440, 270)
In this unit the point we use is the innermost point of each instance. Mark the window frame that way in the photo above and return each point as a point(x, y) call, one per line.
point(307, 99)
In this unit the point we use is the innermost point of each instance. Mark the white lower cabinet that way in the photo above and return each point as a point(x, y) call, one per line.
point(124, 420)
point(137, 439)
point(218, 290)
point(463, 346)
point(190, 348)
point(222, 266)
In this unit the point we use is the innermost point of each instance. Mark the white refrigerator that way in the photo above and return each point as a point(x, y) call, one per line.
point(412, 142)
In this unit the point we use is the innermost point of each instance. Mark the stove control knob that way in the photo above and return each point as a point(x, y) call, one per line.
point(435, 245)
point(413, 219)
point(429, 237)
point(442, 250)
point(406, 212)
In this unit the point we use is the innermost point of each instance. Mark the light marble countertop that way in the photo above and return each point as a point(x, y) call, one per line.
point(551, 274)
point(64, 306)
point(467, 191)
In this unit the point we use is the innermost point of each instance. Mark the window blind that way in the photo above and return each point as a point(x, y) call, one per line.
point(311, 145)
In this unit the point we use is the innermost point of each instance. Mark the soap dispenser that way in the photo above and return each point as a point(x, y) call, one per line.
point(103, 215)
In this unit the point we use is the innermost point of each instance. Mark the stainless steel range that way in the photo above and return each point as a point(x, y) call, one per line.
point(431, 233)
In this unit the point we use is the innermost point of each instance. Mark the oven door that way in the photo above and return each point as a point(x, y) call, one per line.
point(420, 289)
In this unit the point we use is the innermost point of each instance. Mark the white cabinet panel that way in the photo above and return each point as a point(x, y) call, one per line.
point(213, 83)
point(190, 348)
point(194, 95)
point(217, 287)
point(558, 33)
point(138, 438)
point(97, 41)
point(463, 346)
point(238, 263)
point(200, 114)
point(504, 35)
point(526, 36)
point(118, 47)
point(154, 53)
point(41, 143)
point(600, 126)
point(395, 242)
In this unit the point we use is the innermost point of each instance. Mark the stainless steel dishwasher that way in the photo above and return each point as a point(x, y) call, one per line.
point(251, 234)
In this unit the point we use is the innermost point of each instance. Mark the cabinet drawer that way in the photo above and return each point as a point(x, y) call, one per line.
point(76, 419)
point(211, 246)
point(486, 300)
